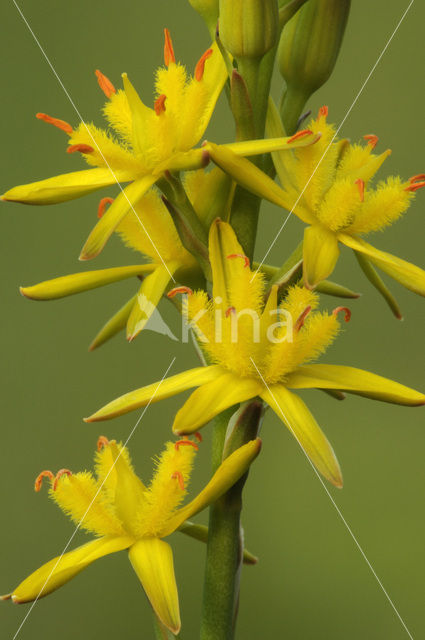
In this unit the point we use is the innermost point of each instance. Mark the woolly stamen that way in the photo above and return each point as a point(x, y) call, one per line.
point(299, 134)
point(60, 124)
point(169, 56)
point(372, 140)
point(102, 206)
point(39, 479)
point(178, 476)
point(102, 442)
point(177, 290)
point(105, 84)
point(200, 67)
point(347, 313)
point(240, 255)
point(60, 473)
point(82, 148)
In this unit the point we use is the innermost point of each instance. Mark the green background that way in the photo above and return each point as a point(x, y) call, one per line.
point(312, 581)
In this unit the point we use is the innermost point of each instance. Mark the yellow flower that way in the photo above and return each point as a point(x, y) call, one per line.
point(125, 514)
point(330, 185)
point(260, 348)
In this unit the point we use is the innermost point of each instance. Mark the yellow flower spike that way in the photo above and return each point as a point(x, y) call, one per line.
point(260, 350)
point(137, 518)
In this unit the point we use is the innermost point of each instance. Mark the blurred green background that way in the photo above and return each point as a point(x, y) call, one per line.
point(312, 581)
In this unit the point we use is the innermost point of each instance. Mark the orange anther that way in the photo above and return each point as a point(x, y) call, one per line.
point(347, 312)
point(177, 290)
point(39, 479)
point(301, 319)
point(169, 56)
point(240, 255)
point(229, 311)
point(102, 206)
point(159, 104)
point(415, 186)
point(299, 134)
point(102, 442)
point(372, 140)
point(105, 84)
point(179, 476)
point(419, 176)
point(198, 436)
point(82, 148)
point(360, 185)
point(60, 473)
point(60, 124)
point(323, 112)
point(200, 67)
point(185, 443)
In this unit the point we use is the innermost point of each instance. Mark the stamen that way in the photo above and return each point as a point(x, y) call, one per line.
point(299, 134)
point(198, 436)
point(102, 442)
point(169, 56)
point(60, 473)
point(301, 319)
point(323, 112)
point(185, 443)
point(419, 176)
point(82, 148)
point(360, 186)
point(347, 312)
point(179, 476)
point(229, 311)
point(105, 84)
point(372, 140)
point(177, 290)
point(240, 255)
point(39, 479)
point(60, 124)
point(415, 186)
point(200, 67)
point(159, 104)
point(102, 206)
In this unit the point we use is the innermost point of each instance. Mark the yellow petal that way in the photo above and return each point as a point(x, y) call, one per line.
point(157, 391)
point(407, 274)
point(352, 380)
point(320, 254)
point(114, 325)
point(268, 145)
point(79, 282)
point(149, 295)
point(211, 399)
point(152, 560)
point(116, 212)
point(66, 186)
point(229, 472)
point(297, 417)
point(60, 570)
point(140, 113)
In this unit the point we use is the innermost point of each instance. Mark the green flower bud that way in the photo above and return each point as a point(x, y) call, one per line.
point(208, 10)
point(249, 28)
point(308, 50)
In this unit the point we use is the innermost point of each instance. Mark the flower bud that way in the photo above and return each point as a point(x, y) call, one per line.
point(249, 28)
point(208, 10)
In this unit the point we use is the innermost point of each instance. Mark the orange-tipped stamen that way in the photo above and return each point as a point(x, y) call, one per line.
point(39, 479)
point(102, 206)
point(200, 66)
point(185, 443)
point(60, 124)
point(105, 84)
point(169, 56)
point(179, 476)
point(177, 290)
point(419, 176)
point(372, 140)
point(82, 148)
point(323, 112)
point(159, 104)
point(415, 186)
point(229, 311)
point(301, 319)
point(346, 310)
point(360, 185)
point(239, 255)
point(299, 134)
point(60, 473)
point(198, 436)
point(102, 442)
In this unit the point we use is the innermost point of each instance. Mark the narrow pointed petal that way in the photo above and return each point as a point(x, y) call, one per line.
point(376, 280)
point(155, 392)
point(200, 532)
point(116, 212)
point(211, 399)
point(150, 294)
point(268, 145)
point(337, 290)
point(407, 274)
point(67, 186)
point(79, 282)
point(297, 417)
point(320, 254)
point(152, 560)
point(60, 570)
point(114, 325)
point(352, 380)
point(140, 114)
point(229, 472)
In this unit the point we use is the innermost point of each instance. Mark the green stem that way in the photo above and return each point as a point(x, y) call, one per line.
point(291, 108)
